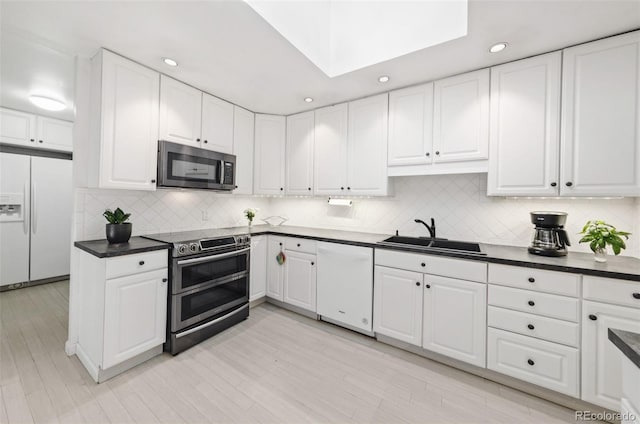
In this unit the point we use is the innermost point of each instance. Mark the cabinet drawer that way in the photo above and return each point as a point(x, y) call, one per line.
point(549, 305)
point(609, 290)
point(136, 263)
point(300, 245)
point(535, 361)
point(535, 279)
point(436, 265)
point(549, 329)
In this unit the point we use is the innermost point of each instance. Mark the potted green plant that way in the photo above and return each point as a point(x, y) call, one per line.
point(250, 213)
point(118, 230)
point(599, 235)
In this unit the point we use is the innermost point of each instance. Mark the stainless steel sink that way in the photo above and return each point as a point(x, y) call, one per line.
point(434, 244)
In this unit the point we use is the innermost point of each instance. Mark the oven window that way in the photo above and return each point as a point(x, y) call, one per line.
point(214, 299)
point(191, 168)
point(196, 274)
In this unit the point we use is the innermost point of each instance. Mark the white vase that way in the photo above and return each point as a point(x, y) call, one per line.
point(600, 255)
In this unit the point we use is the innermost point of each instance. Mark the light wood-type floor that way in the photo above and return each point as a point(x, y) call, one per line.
point(275, 367)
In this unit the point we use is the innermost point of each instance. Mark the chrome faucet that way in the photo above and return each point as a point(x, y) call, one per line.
point(431, 228)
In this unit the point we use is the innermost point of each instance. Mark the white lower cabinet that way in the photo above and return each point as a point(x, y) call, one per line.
point(275, 270)
point(122, 312)
point(543, 363)
point(345, 285)
point(135, 315)
point(454, 319)
point(601, 359)
point(397, 306)
point(258, 268)
point(300, 280)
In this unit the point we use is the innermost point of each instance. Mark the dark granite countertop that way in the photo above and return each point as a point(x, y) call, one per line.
point(628, 343)
point(102, 249)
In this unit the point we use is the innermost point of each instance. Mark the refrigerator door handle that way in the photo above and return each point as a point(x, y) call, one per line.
point(34, 209)
point(25, 209)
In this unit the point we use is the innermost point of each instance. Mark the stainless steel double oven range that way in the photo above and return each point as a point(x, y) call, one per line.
point(209, 290)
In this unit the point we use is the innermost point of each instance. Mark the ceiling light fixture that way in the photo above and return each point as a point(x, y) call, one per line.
point(169, 61)
point(384, 78)
point(498, 47)
point(47, 103)
point(308, 99)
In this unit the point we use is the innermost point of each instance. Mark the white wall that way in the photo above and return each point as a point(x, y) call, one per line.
point(457, 202)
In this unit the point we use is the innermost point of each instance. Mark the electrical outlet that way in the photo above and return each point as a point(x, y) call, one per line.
point(205, 215)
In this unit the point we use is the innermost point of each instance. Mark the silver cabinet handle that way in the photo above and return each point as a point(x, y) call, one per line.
point(212, 257)
point(34, 209)
point(215, 321)
point(25, 210)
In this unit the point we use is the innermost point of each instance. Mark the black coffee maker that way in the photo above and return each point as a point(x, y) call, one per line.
point(549, 236)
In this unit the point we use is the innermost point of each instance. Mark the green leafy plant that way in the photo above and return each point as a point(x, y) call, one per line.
point(599, 234)
point(250, 213)
point(116, 217)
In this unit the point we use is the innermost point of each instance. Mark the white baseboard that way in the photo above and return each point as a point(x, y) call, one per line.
point(70, 348)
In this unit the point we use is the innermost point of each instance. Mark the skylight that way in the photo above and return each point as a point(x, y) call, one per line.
point(341, 36)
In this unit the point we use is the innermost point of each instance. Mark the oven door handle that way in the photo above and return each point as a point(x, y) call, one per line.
point(209, 258)
point(210, 323)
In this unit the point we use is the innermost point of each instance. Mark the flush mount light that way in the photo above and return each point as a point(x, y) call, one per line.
point(308, 99)
point(169, 61)
point(47, 103)
point(498, 47)
point(384, 78)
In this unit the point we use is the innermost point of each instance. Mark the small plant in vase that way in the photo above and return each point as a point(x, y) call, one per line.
point(599, 235)
point(118, 230)
point(250, 213)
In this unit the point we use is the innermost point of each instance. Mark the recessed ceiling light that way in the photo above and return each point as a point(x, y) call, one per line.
point(169, 61)
point(498, 47)
point(308, 99)
point(384, 78)
point(47, 103)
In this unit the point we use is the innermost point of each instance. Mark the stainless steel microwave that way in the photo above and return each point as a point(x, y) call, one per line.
point(192, 167)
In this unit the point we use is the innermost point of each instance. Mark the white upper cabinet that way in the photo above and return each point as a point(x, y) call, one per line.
point(217, 124)
point(299, 152)
point(367, 146)
point(243, 126)
point(17, 127)
point(600, 118)
point(180, 112)
point(54, 134)
point(125, 126)
point(461, 117)
point(330, 147)
point(269, 154)
point(525, 127)
point(411, 126)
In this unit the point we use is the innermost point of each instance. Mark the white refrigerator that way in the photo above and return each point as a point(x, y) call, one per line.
point(36, 204)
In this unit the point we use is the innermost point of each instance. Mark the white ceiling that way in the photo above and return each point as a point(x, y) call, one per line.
point(227, 49)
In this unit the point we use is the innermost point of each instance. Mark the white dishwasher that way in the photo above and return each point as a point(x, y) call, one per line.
point(345, 285)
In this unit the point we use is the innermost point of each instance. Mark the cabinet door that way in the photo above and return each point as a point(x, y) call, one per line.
point(180, 112)
point(275, 271)
point(135, 315)
point(600, 118)
point(269, 158)
point(17, 127)
point(217, 124)
point(300, 280)
point(51, 212)
point(367, 146)
point(345, 284)
point(258, 267)
point(243, 121)
point(129, 129)
point(461, 117)
point(525, 127)
point(299, 166)
point(601, 360)
point(455, 321)
point(330, 147)
point(397, 304)
point(411, 126)
point(54, 134)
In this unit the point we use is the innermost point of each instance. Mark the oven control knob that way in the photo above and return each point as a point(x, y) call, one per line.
point(182, 249)
point(193, 247)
